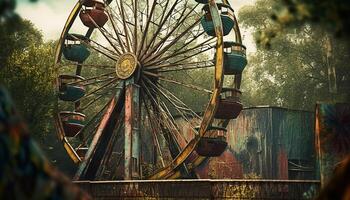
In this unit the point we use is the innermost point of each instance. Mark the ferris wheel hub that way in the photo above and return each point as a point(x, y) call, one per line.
point(126, 65)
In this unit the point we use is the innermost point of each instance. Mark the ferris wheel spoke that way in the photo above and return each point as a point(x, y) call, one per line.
point(96, 99)
point(164, 8)
point(109, 84)
point(183, 111)
point(149, 17)
point(116, 40)
point(177, 38)
point(127, 37)
point(191, 86)
point(153, 124)
point(157, 103)
point(184, 23)
point(135, 26)
point(184, 106)
point(94, 119)
point(192, 55)
point(129, 6)
point(171, 118)
point(167, 121)
point(117, 17)
point(164, 92)
point(194, 38)
point(98, 81)
point(174, 21)
point(115, 28)
point(178, 51)
point(104, 32)
point(158, 107)
point(94, 47)
point(185, 67)
point(163, 40)
point(97, 49)
point(95, 66)
point(89, 79)
point(87, 138)
point(164, 18)
point(110, 52)
point(157, 67)
point(65, 64)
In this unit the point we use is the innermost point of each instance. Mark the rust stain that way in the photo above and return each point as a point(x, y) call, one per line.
point(282, 165)
point(225, 166)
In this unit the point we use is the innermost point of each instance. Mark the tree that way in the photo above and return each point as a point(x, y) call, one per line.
point(28, 73)
point(294, 72)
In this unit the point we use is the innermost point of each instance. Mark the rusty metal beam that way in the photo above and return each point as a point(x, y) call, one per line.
point(88, 168)
point(132, 148)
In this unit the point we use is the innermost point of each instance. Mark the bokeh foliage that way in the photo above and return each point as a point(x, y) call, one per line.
point(332, 15)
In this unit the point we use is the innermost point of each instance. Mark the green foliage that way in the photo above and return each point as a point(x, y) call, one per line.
point(294, 72)
point(28, 73)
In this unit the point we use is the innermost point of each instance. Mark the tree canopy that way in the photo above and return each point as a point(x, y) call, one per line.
point(304, 65)
point(28, 73)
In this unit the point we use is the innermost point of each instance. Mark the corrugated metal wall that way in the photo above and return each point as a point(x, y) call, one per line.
point(266, 142)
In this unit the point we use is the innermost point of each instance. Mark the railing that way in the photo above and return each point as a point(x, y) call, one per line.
point(202, 189)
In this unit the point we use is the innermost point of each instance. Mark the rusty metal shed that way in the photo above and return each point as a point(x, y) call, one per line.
point(266, 142)
point(274, 143)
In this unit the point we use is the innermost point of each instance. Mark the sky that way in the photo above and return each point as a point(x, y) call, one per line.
point(49, 16)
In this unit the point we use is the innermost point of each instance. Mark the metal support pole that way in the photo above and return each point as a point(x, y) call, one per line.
point(132, 132)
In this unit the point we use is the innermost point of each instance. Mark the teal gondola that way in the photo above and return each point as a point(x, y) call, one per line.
point(234, 58)
point(227, 20)
point(74, 50)
point(202, 1)
point(68, 90)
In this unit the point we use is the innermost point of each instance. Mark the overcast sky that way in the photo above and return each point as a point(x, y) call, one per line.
point(50, 15)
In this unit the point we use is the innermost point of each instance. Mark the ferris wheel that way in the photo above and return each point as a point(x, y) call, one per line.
point(146, 91)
